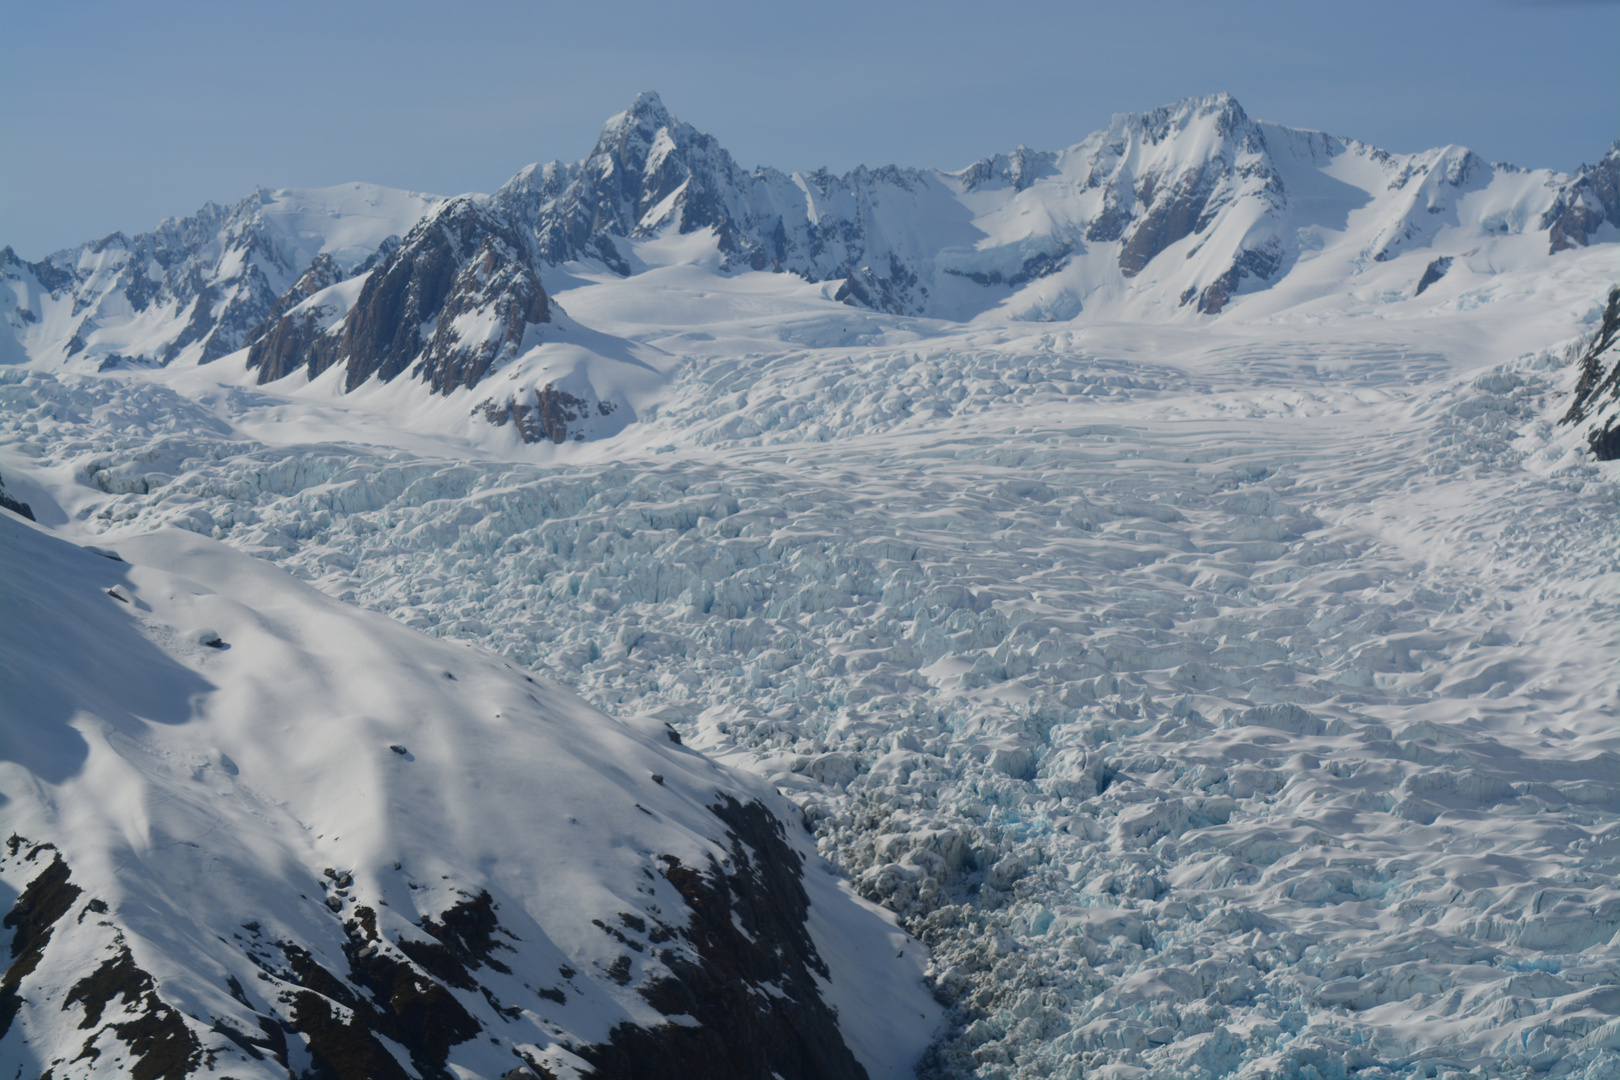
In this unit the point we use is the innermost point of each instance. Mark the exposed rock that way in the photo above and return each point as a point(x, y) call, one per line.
point(748, 930)
point(16, 506)
point(1432, 273)
point(547, 418)
point(737, 978)
point(1583, 205)
point(283, 341)
point(1597, 387)
point(453, 298)
point(46, 899)
point(1261, 262)
point(160, 1045)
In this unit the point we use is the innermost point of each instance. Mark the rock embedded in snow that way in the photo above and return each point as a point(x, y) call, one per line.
point(196, 937)
point(1596, 404)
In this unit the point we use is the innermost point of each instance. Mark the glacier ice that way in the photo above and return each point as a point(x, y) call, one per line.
point(1247, 718)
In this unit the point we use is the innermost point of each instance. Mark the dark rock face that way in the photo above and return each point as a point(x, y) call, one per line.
point(1433, 273)
point(1173, 216)
point(1260, 262)
point(281, 343)
point(738, 961)
point(747, 929)
point(547, 418)
point(16, 506)
point(160, 1046)
point(1585, 204)
point(1597, 387)
point(452, 298)
point(46, 899)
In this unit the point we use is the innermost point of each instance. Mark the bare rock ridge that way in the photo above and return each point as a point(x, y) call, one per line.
point(738, 982)
point(1591, 199)
point(1596, 404)
point(455, 297)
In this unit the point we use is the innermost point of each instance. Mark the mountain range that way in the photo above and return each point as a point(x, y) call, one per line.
point(1178, 213)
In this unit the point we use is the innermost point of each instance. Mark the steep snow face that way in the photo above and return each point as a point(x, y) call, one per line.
point(194, 287)
point(255, 832)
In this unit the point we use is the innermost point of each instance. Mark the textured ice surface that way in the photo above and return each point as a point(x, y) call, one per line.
point(1213, 704)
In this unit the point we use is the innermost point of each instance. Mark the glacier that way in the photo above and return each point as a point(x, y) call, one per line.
point(1216, 689)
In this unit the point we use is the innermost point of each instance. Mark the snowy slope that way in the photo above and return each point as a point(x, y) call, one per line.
point(192, 288)
point(256, 831)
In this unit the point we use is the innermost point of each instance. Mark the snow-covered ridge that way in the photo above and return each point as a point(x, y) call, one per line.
point(255, 833)
point(192, 288)
point(1168, 215)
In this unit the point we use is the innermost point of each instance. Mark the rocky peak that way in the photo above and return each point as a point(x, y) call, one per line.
point(1018, 170)
point(1169, 173)
point(454, 298)
point(629, 135)
point(1595, 406)
point(1167, 122)
point(1585, 204)
point(648, 171)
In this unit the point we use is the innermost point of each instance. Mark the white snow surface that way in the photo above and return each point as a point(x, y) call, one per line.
point(1217, 697)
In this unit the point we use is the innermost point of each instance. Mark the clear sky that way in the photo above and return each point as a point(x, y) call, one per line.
point(114, 115)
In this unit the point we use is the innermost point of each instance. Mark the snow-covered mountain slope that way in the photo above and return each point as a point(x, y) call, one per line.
point(191, 289)
point(255, 832)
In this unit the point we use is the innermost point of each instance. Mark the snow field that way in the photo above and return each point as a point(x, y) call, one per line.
point(1241, 719)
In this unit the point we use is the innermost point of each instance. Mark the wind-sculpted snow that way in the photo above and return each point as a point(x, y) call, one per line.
point(1251, 717)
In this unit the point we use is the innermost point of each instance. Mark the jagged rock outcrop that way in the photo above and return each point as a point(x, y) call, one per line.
point(1596, 404)
point(1432, 273)
point(281, 342)
point(15, 505)
point(747, 930)
point(647, 172)
point(551, 415)
point(455, 297)
point(737, 976)
point(199, 285)
point(1585, 204)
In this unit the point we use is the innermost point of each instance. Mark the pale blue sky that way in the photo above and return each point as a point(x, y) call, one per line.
point(114, 115)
